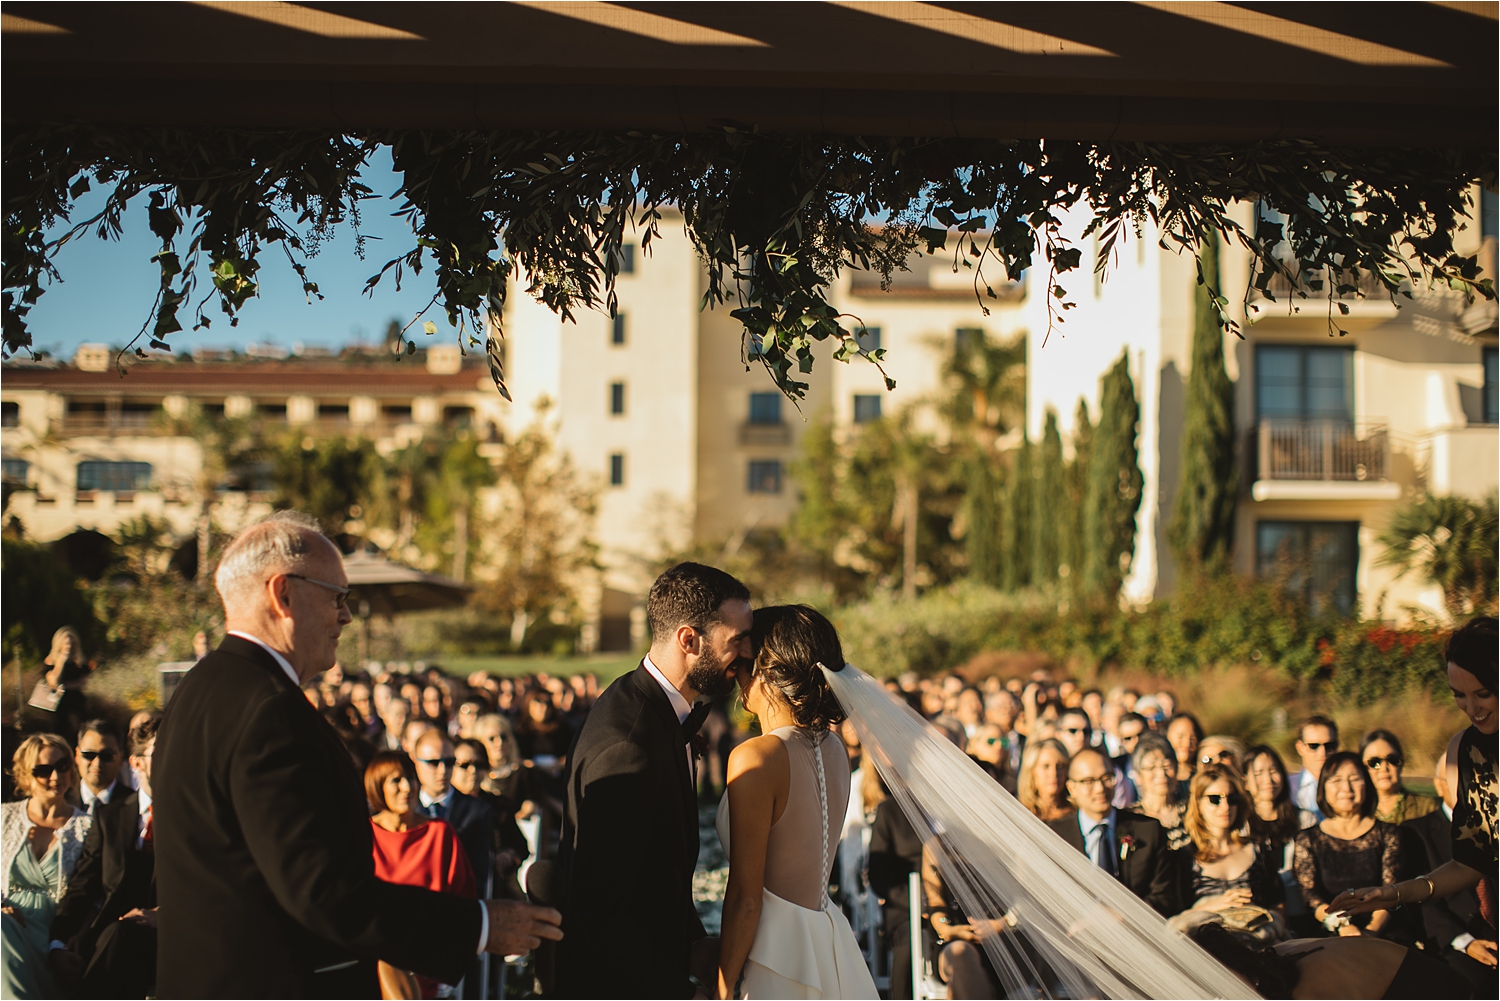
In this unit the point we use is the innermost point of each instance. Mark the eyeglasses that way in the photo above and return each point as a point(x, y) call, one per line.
point(1375, 761)
point(1319, 745)
point(44, 772)
point(434, 762)
point(340, 594)
point(467, 766)
point(104, 756)
point(1216, 798)
point(1091, 783)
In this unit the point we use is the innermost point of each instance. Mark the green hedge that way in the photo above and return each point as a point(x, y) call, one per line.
point(1221, 620)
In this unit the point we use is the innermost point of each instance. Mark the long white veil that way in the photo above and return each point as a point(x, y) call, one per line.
point(1070, 929)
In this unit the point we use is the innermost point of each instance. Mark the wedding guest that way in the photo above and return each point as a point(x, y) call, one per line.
point(41, 839)
point(433, 710)
point(987, 748)
point(1349, 848)
point(1219, 749)
point(411, 691)
point(381, 694)
point(1317, 738)
point(508, 776)
point(1185, 734)
point(470, 817)
point(1042, 788)
point(1225, 867)
point(471, 763)
point(970, 711)
point(1093, 704)
point(411, 849)
point(1456, 930)
point(1168, 703)
point(1150, 710)
point(1274, 822)
point(67, 672)
point(1129, 846)
point(393, 721)
point(1002, 709)
point(469, 710)
point(362, 700)
point(1382, 754)
point(200, 645)
point(104, 933)
point(1154, 765)
point(1128, 734)
point(98, 759)
point(1074, 730)
point(413, 732)
point(540, 732)
point(895, 853)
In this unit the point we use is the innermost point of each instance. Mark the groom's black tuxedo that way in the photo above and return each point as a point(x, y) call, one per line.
point(629, 846)
point(265, 870)
point(1147, 870)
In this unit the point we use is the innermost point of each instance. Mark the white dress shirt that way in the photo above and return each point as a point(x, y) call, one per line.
point(484, 912)
point(1306, 793)
point(140, 822)
point(1099, 839)
point(102, 796)
point(428, 802)
point(680, 705)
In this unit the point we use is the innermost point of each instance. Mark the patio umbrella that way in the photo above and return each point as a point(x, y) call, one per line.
point(379, 586)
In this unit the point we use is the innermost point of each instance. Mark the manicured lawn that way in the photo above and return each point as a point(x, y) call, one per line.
point(608, 666)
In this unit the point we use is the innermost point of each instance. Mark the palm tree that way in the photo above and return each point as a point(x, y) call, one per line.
point(1450, 541)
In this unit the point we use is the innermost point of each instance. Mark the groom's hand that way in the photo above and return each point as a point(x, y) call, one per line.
point(516, 927)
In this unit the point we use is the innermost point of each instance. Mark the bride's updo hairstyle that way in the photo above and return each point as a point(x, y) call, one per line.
point(790, 642)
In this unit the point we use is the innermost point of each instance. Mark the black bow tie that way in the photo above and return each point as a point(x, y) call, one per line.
point(694, 721)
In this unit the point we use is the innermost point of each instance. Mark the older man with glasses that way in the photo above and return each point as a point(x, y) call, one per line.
point(265, 866)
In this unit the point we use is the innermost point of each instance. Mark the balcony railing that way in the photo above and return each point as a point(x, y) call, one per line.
point(1321, 450)
point(1368, 283)
point(765, 434)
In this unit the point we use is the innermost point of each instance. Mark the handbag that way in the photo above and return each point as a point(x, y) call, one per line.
point(45, 697)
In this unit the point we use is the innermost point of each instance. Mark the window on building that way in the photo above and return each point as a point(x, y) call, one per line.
point(617, 469)
point(868, 338)
point(627, 258)
point(138, 413)
point(396, 413)
point(1491, 402)
point(1487, 213)
point(617, 398)
point(765, 408)
point(1317, 560)
point(458, 417)
point(10, 415)
point(967, 338)
point(1308, 383)
point(122, 477)
point(15, 472)
point(866, 407)
point(765, 476)
point(617, 330)
point(213, 411)
point(251, 477)
point(271, 411)
point(337, 413)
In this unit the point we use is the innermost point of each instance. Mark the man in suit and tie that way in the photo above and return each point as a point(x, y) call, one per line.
point(104, 931)
point(264, 855)
point(630, 817)
point(1455, 929)
point(99, 755)
point(1129, 846)
point(1317, 738)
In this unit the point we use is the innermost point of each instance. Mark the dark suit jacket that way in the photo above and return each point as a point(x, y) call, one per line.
point(473, 821)
point(264, 856)
point(895, 853)
point(111, 876)
point(629, 847)
point(1148, 870)
point(1448, 917)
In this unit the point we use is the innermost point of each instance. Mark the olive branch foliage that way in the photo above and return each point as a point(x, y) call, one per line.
point(774, 218)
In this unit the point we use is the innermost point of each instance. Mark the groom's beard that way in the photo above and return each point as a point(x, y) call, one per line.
point(708, 676)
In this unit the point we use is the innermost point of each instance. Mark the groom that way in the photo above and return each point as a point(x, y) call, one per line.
point(630, 822)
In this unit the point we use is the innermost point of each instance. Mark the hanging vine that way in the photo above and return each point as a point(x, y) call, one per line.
point(774, 218)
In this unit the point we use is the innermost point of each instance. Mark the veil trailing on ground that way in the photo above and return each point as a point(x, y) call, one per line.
point(1066, 928)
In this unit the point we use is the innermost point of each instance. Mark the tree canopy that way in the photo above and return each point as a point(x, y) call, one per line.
point(775, 218)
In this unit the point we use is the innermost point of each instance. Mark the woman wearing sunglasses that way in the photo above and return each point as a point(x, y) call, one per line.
point(1227, 873)
point(41, 838)
point(1381, 752)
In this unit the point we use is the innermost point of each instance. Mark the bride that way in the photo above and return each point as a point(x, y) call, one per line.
point(1050, 921)
point(779, 823)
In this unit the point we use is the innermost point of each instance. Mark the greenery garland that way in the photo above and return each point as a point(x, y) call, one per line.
point(775, 218)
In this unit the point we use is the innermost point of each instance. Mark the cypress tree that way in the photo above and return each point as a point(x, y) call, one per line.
point(1114, 483)
point(1047, 500)
point(1015, 529)
point(1202, 527)
point(982, 499)
point(1075, 484)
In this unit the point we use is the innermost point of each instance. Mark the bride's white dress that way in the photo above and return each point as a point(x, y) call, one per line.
point(804, 947)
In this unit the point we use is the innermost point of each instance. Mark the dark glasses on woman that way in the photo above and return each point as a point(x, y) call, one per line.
point(44, 772)
point(1216, 798)
point(1375, 761)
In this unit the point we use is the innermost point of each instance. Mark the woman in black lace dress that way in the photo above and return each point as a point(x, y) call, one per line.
point(1348, 848)
point(1472, 661)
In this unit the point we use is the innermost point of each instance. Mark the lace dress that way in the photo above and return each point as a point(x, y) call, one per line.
point(804, 947)
point(1474, 815)
point(1327, 866)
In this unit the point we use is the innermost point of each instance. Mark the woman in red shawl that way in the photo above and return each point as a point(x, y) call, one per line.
point(412, 850)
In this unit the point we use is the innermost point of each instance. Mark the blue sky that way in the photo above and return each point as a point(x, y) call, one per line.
point(108, 287)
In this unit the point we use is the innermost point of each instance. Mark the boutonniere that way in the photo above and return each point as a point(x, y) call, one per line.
point(1127, 845)
point(700, 745)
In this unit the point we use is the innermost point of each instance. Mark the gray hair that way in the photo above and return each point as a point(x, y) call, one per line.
point(1151, 742)
point(281, 543)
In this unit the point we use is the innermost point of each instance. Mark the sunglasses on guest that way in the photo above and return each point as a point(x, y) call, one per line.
point(105, 756)
point(434, 762)
point(1375, 761)
point(1318, 745)
point(1216, 798)
point(45, 772)
point(467, 766)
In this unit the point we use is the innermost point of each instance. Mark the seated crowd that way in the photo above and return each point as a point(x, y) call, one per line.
point(464, 781)
point(1200, 827)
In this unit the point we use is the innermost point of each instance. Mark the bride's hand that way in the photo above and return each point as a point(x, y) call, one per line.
point(1363, 900)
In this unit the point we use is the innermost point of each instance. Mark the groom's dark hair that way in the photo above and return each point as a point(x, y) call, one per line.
point(690, 594)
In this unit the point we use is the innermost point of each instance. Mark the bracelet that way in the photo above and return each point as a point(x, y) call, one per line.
point(1431, 887)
